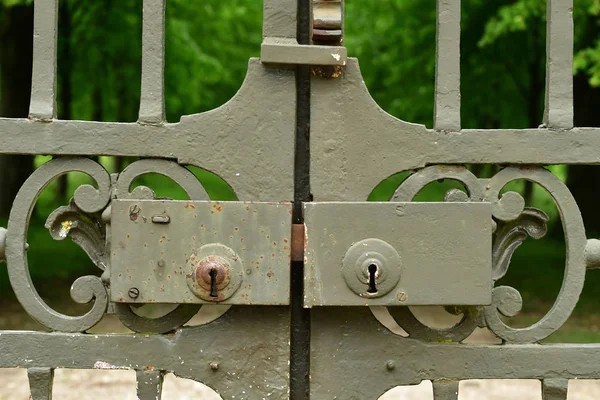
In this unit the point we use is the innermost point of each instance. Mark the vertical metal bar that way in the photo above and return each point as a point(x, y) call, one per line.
point(152, 100)
point(43, 82)
point(300, 325)
point(40, 383)
point(280, 18)
point(558, 112)
point(445, 390)
point(447, 66)
point(554, 389)
point(149, 384)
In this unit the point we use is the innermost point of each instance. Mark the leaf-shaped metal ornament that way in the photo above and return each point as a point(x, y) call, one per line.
point(510, 235)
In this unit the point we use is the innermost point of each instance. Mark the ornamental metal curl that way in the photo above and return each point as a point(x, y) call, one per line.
point(506, 300)
point(87, 199)
point(195, 191)
point(514, 223)
point(407, 191)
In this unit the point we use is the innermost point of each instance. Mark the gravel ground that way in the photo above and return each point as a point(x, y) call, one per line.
point(120, 385)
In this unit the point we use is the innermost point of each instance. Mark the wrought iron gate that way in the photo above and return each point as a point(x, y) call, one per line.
point(296, 269)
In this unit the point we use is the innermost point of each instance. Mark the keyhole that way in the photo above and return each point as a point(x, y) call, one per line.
point(213, 283)
point(372, 275)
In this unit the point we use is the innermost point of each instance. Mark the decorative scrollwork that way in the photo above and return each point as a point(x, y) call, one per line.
point(89, 200)
point(514, 223)
point(195, 191)
point(85, 230)
point(407, 191)
point(510, 235)
point(86, 220)
point(506, 300)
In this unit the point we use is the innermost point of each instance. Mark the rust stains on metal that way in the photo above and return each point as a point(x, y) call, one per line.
point(134, 211)
point(298, 241)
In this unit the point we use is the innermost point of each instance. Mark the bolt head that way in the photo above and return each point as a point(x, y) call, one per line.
point(161, 263)
point(390, 365)
point(402, 296)
point(134, 293)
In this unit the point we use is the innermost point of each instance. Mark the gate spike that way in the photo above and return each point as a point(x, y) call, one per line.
point(554, 389)
point(40, 383)
point(445, 390)
point(149, 384)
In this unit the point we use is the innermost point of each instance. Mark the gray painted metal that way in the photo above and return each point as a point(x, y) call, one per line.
point(447, 75)
point(558, 113)
point(156, 257)
point(152, 99)
point(288, 51)
point(443, 248)
point(251, 344)
point(45, 44)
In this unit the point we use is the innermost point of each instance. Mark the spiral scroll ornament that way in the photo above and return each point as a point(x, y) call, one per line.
point(86, 220)
point(513, 224)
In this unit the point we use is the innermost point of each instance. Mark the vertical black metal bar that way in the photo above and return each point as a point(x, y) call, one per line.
point(300, 324)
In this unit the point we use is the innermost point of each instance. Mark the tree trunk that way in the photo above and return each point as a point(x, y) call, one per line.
point(16, 54)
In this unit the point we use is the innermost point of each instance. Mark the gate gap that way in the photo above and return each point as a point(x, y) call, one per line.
point(88, 384)
point(84, 30)
point(505, 389)
point(398, 65)
point(14, 384)
point(205, 63)
point(503, 50)
point(175, 388)
point(422, 391)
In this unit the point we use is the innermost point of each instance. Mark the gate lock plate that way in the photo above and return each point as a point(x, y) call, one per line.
point(168, 251)
point(397, 254)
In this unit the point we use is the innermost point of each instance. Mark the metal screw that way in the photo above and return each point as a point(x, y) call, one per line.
point(390, 365)
point(214, 366)
point(248, 271)
point(161, 263)
point(402, 296)
point(134, 293)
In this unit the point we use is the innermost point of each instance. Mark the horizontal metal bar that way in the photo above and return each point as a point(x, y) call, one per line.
point(504, 146)
point(362, 371)
point(240, 335)
point(452, 361)
point(280, 51)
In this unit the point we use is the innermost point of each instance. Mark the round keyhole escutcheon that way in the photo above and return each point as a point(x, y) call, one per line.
point(371, 268)
point(215, 272)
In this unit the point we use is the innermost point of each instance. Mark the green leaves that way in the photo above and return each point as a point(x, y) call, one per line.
point(513, 18)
